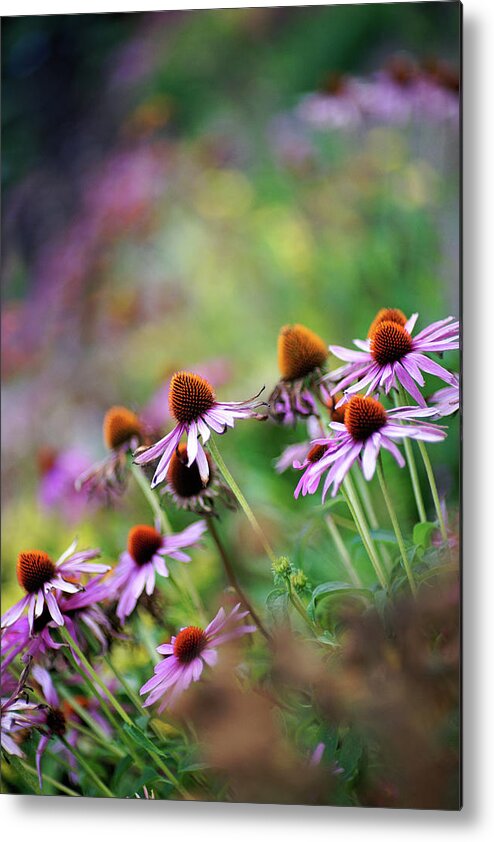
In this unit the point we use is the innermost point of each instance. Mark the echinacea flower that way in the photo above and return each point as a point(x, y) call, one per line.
point(391, 356)
point(40, 577)
point(144, 557)
point(447, 400)
point(15, 711)
point(59, 471)
point(368, 427)
point(187, 653)
point(122, 433)
point(194, 406)
point(185, 486)
point(15, 715)
point(301, 358)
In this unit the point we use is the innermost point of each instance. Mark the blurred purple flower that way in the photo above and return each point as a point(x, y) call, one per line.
point(59, 472)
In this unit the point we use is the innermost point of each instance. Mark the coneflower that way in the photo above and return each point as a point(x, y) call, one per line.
point(144, 557)
point(368, 427)
point(122, 433)
point(41, 577)
point(193, 404)
point(187, 653)
point(391, 356)
point(302, 355)
point(185, 486)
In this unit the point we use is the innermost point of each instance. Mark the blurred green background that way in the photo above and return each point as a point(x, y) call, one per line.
point(152, 221)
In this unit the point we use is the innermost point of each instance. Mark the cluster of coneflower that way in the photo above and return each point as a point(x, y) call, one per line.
point(66, 620)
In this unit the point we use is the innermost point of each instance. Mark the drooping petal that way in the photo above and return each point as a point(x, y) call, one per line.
point(13, 614)
point(54, 609)
point(369, 456)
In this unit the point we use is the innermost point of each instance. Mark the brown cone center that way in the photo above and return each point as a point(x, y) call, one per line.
point(34, 569)
point(363, 417)
point(389, 342)
point(143, 542)
point(120, 425)
point(190, 395)
point(186, 482)
point(300, 352)
point(189, 643)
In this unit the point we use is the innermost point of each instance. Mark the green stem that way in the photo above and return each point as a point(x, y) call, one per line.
point(363, 490)
point(152, 499)
point(94, 675)
point(400, 400)
point(96, 732)
point(342, 550)
point(131, 694)
point(432, 483)
point(106, 744)
point(49, 780)
point(299, 607)
point(249, 514)
point(396, 527)
point(87, 768)
point(232, 578)
point(361, 523)
point(119, 709)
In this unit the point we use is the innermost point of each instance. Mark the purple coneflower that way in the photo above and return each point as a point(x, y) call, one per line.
point(144, 558)
point(122, 433)
point(391, 356)
point(16, 712)
point(40, 577)
point(301, 358)
point(188, 651)
point(368, 427)
point(193, 404)
point(185, 486)
point(58, 474)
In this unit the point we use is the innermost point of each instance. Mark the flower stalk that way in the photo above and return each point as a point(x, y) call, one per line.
point(342, 550)
point(249, 514)
point(358, 515)
point(435, 496)
point(232, 577)
point(396, 527)
point(400, 400)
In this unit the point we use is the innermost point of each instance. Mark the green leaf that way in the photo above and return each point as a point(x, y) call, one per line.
point(277, 601)
point(422, 534)
point(334, 589)
point(141, 740)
